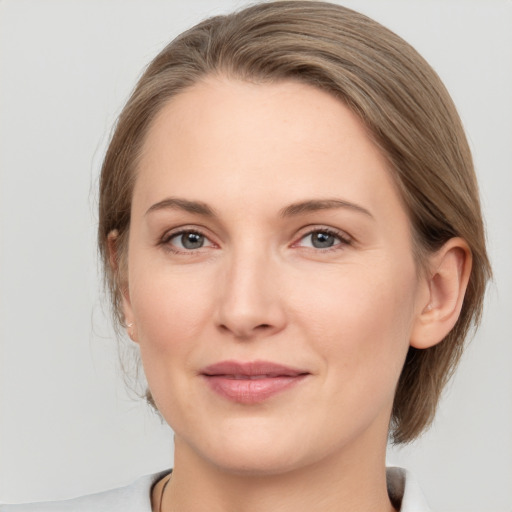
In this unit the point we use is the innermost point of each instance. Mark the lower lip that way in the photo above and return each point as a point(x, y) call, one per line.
point(251, 391)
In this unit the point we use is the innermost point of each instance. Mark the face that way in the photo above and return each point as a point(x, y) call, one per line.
point(271, 280)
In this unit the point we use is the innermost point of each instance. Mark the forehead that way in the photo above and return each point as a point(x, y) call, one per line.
point(225, 138)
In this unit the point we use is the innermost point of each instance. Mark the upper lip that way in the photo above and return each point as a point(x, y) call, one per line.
point(251, 369)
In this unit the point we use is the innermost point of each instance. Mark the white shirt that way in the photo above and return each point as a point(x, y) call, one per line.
point(136, 497)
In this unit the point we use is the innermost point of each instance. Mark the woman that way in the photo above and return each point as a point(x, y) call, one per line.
point(291, 233)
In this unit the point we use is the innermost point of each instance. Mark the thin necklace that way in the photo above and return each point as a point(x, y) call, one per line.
point(162, 494)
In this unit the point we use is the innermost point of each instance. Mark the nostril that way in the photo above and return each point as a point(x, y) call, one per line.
point(245, 333)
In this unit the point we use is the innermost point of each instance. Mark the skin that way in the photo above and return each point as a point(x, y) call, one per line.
point(259, 289)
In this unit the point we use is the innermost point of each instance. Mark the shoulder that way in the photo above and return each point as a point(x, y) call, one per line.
point(135, 497)
point(404, 491)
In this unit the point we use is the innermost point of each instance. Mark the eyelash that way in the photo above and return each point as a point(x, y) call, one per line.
point(165, 242)
point(343, 240)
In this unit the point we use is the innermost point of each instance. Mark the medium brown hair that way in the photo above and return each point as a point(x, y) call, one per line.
point(395, 93)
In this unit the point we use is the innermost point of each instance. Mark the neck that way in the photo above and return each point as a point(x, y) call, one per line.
point(351, 481)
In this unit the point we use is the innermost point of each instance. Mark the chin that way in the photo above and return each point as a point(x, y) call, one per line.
point(258, 450)
point(253, 450)
point(261, 462)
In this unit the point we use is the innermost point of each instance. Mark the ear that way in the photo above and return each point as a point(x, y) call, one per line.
point(117, 271)
point(445, 288)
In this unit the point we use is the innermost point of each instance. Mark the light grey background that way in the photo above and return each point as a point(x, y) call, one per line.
point(67, 425)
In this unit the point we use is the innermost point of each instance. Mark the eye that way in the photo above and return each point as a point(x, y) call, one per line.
point(323, 239)
point(187, 241)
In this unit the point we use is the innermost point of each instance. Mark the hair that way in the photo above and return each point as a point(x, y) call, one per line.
point(388, 85)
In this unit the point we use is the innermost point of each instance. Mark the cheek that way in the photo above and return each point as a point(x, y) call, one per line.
point(360, 319)
point(169, 306)
point(171, 309)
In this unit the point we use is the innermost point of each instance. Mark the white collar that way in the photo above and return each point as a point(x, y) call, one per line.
point(404, 491)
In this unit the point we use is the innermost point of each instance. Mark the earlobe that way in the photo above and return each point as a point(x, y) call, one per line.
point(447, 283)
point(132, 331)
point(131, 328)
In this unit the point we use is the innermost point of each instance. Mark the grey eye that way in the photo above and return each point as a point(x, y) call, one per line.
point(191, 240)
point(322, 240)
point(187, 241)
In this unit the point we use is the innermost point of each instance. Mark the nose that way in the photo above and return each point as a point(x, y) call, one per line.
point(251, 304)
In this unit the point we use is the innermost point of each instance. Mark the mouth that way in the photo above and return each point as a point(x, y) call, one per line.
point(251, 382)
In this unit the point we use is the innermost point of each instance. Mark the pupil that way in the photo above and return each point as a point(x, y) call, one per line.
point(192, 240)
point(322, 240)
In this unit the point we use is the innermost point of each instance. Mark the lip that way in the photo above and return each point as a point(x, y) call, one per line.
point(251, 382)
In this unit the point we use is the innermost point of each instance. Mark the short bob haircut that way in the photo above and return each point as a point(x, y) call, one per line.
point(388, 85)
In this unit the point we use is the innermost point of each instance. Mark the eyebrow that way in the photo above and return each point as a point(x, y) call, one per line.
point(174, 203)
point(321, 204)
point(300, 208)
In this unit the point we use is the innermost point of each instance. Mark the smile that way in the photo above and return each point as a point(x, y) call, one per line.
point(252, 382)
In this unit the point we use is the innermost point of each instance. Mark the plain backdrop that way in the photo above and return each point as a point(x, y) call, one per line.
point(67, 424)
